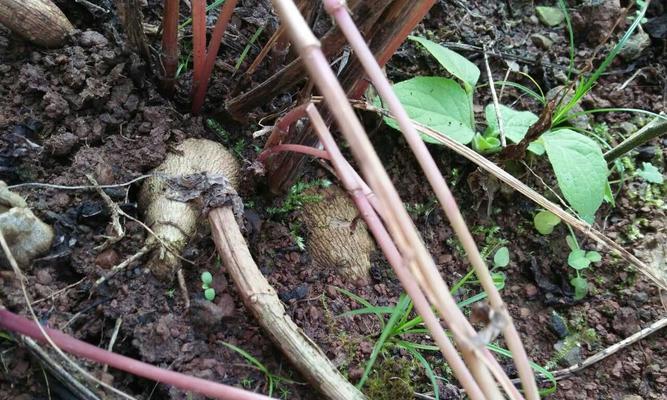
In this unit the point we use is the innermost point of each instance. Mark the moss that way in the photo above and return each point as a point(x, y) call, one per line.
point(390, 380)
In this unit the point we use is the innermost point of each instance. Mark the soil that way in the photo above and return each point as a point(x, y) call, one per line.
point(93, 107)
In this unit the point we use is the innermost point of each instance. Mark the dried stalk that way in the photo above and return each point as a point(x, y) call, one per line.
point(397, 219)
point(198, 44)
point(441, 189)
point(261, 299)
point(351, 183)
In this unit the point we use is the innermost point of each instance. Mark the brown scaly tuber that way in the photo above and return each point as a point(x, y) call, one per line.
point(337, 238)
point(38, 21)
point(175, 221)
point(26, 235)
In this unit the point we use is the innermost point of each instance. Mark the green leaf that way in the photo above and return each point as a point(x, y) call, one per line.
point(593, 256)
point(438, 103)
point(484, 144)
point(580, 169)
point(577, 259)
point(206, 278)
point(515, 123)
point(650, 173)
point(209, 294)
point(572, 242)
point(609, 195)
point(580, 286)
point(545, 221)
point(427, 367)
point(536, 147)
point(453, 62)
point(502, 257)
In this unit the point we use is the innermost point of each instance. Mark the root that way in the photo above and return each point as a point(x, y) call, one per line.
point(261, 299)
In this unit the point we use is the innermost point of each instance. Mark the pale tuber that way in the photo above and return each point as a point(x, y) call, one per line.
point(175, 221)
point(38, 21)
point(337, 237)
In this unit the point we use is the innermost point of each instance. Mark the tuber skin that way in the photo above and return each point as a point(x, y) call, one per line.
point(38, 21)
point(175, 222)
point(337, 238)
point(26, 235)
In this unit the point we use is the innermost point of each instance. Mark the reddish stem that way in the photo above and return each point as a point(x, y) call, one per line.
point(199, 93)
point(198, 43)
point(170, 45)
point(296, 148)
point(15, 323)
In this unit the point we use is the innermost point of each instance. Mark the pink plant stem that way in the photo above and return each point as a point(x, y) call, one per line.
point(15, 323)
point(199, 92)
point(170, 45)
point(350, 180)
point(337, 9)
point(198, 43)
point(296, 148)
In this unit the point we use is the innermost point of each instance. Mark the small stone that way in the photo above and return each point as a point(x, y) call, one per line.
point(531, 290)
point(550, 16)
point(558, 325)
point(107, 259)
point(627, 128)
point(104, 173)
point(573, 355)
point(632, 397)
point(93, 39)
point(62, 144)
point(635, 45)
point(541, 41)
point(524, 312)
point(356, 373)
point(44, 276)
point(533, 20)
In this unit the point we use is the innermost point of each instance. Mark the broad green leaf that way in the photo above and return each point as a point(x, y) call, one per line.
point(580, 287)
point(580, 169)
point(577, 259)
point(438, 103)
point(515, 123)
point(483, 144)
point(453, 62)
point(593, 256)
point(502, 257)
point(545, 221)
point(536, 147)
point(650, 173)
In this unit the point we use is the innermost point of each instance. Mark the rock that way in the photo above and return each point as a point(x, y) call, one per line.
point(107, 259)
point(61, 145)
point(541, 41)
point(626, 321)
point(26, 235)
point(594, 19)
point(573, 354)
point(627, 128)
point(550, 16)
point(657, 27)
point(531, 290)
point(558, 325)
point(635, 45)
point(93, 39)
point(646, 152)
point(632, 397)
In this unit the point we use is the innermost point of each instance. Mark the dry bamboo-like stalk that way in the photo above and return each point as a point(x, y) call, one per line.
point(354, 185)
point(261, 299)
point(39, 21)
point(337, 9)
point(398, 221)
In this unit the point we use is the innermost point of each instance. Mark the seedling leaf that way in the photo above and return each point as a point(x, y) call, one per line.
point(593, 256)
point(571, 242)
point(209, 294)
point(438, 103)
point(545, 221)
point(577, 259)
point(580, 286)
point(453, 62)
point(502, 257)
point(650, 173)
point(206, 279)
point(515, 123)
point(580, 169)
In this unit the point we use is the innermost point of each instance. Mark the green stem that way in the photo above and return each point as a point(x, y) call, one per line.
point(640, 137)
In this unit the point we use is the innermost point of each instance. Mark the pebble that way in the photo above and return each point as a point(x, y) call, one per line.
point(44, 276)
point(93, 39)
point(558, 325)
point(541, 41)
point(107, 259)
point(550, 16)
point(531, 290)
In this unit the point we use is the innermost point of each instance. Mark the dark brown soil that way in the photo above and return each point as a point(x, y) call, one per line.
point(92, 107)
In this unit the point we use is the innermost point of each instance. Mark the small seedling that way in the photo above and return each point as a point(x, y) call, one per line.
point(502, 257)
point(650, 174)
point(545, 221)
point(296, 197)
point(207, 280)
point(580, 259)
